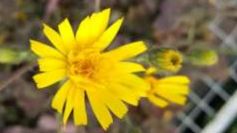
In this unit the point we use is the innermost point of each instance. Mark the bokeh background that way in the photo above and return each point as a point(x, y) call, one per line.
point(178, 24)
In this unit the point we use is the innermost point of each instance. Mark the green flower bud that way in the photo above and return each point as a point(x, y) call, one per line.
point(12, 56)
point(203, 57)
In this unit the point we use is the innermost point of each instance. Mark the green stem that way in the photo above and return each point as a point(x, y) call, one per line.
point(59, 125)
point(97, 5)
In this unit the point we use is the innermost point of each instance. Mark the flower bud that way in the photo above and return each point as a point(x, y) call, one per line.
point(201, 57)
point(166, 60)
point(12, 56)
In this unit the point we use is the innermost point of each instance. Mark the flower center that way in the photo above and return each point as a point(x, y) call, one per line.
point(83, 62)
point(175, 60)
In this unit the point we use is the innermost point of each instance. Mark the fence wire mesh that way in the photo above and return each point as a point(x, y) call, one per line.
point(204, 107)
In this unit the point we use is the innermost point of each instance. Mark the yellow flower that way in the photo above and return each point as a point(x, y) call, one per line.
point(106, 77)
point(173, 89)
point(166, 60)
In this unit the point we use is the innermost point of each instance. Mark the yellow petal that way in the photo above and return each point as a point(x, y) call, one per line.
point(179, 99)
point(129, 67)
point(55, 38)
point(67, 34)
point(92, 27)
point(99, 22)
point(151, 70)
point(43, 50)
point(80, 117)
point(50, 64)
point(127, 51)
point(60, 97)
point(139, 86)
point(107, 37)
point(83, 32)
point(157, 101)
point(175, 79)
point(69, 104)
point(48, 78)
point(172, 88)
point(100, 110)
point(114, 104)
point(124, 93)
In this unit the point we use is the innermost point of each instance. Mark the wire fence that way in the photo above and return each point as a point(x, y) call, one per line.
point(212, 111)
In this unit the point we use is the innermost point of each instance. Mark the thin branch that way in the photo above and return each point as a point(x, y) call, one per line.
point(51, 6)
point(17, 75)
point(97, 5)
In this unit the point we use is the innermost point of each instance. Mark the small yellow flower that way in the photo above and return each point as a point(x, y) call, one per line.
point(106, 77)
point(173, 89)
point(166, 60)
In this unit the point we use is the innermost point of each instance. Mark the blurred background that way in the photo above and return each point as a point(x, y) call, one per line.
point(185, 25)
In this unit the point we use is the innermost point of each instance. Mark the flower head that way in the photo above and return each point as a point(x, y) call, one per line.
point(166, 59)
point(106, 77)
point(173, 89)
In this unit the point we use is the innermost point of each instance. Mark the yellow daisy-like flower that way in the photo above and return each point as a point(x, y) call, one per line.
point(173, 89)
point(106, 77)
point(167, 59)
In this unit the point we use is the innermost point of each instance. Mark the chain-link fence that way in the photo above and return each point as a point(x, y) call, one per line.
point(212, 105)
